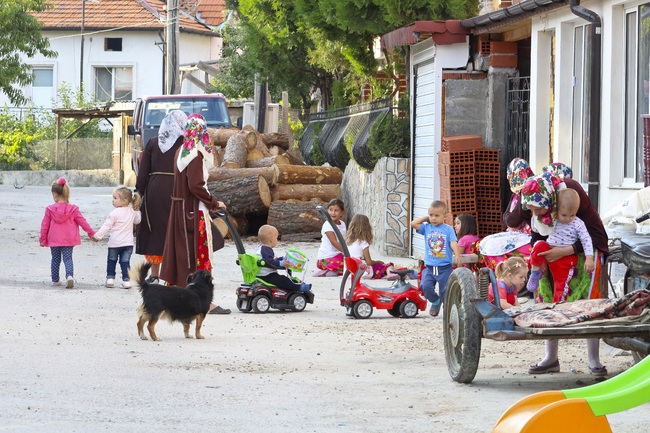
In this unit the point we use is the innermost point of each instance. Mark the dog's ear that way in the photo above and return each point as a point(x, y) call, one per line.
point(190, 278)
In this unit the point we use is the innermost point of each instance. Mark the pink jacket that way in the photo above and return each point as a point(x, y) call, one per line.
point(60, 226)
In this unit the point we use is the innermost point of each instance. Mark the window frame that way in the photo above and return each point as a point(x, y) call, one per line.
point(111, 68)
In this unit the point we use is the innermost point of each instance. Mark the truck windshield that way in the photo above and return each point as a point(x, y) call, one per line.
point(214, 110)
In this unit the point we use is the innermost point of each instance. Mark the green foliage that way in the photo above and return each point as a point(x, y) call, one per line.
point(21, 138)
point(390, 136)
point(317, 156)
point(20, 35)
point(16, 141)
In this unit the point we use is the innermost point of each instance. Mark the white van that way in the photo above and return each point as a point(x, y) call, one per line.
point(151, 110)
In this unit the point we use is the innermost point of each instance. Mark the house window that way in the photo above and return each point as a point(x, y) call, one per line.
point(112, 44)
point(114, 84)
point(637, 75)
point(580, 110)
point(43, 87)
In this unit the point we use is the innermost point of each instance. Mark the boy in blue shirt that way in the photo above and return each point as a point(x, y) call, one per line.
point(439, 244)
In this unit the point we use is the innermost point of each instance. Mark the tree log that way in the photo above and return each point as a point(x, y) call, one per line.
point(301, 237)
point(295, 217)
point(221, 226)
point(218, 155)
point(235, 152)
point(220, 173)
point(276, 139)
point(306, 174)
point(219, 137)
point(324, 192)
point(240, 222)
point(242, 195)
point(268, 161)
point(255, 154)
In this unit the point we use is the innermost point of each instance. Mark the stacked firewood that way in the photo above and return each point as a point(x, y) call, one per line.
point(255, 175)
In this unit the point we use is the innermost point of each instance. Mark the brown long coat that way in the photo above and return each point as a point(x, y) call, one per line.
point(181, 241)
point(155, 183)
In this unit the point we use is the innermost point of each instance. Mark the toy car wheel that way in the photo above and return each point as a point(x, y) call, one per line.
point(362, 309)
point(298, 302)
point(408, 309)
point(395, 310)
point(261, 304)
point(461, 326)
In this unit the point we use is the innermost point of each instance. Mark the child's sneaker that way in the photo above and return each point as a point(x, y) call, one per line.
point(331, 274)
point(392, 276)
point(126, 285)
point(57, 283)
point(153, 280)
point(110, 282)
point(70, 282)
point(320, 273)
point(304, 287)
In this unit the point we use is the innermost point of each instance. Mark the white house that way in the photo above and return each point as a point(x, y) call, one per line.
point(120, 56)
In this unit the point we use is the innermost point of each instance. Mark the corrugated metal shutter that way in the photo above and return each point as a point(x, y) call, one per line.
point(424, 155)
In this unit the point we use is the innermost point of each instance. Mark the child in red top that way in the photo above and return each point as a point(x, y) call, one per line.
point(511, 276)
point(60, 231)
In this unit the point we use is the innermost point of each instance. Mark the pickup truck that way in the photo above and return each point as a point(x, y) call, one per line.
point(151, 110)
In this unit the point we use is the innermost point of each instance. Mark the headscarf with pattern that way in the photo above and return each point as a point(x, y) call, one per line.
point(518, 172)
point(172, 127)
point(560, 169)
point(196, 140)
point(541, 191)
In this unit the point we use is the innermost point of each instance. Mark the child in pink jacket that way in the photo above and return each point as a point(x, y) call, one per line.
point(60, 231)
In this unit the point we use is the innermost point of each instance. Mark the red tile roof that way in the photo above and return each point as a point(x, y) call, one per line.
point(212, 11)
point(442, 33)
point(109, 14)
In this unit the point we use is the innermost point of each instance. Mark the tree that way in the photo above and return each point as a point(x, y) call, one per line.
point(20, 35)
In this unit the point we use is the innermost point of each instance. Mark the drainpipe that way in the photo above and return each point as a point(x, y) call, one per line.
point(594, 102)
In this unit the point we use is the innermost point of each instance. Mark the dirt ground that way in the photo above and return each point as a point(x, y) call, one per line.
point(71, 360)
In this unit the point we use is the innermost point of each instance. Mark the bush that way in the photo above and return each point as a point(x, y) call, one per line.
point(390, 136)
point(16, 141)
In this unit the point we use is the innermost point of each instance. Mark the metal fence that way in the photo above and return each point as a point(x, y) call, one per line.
point(343, 133)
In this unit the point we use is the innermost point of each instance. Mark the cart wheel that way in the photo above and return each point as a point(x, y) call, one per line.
point(298, 302)
point(395, 310)
point(408, 309)
point(261, 304)
point(362, 309)
point(461, 326)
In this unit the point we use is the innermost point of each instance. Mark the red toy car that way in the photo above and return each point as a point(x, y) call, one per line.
point(401, 299)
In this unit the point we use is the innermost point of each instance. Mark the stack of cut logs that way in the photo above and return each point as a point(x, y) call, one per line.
point(254, 174)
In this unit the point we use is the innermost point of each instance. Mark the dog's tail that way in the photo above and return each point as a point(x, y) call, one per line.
point(138, 275)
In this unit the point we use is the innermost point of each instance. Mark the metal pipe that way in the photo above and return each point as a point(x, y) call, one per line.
point(594, 98)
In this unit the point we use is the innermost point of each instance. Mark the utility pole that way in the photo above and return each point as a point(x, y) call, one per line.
point(81, 65)
point(171, 49)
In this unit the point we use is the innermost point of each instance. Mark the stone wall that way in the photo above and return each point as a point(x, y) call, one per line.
point(104, 177)
point(383, 196)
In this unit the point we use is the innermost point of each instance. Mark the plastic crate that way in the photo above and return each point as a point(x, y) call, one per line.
point(489, 193)
point(487, 204)
point(457, 195)
point(454, 143)
point(452, 158)
point(458, 169)
point(487, 179)
point(486, 155)
point(454, 182)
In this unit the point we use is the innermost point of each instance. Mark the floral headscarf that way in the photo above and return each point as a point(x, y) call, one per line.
point(541, 191)
point(196, 140)
point(172, 127)
point(518, 172)
point(560, 169)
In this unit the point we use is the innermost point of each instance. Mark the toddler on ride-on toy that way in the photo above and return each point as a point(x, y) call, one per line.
point(268, 236)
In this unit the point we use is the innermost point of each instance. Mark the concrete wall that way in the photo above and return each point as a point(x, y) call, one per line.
point(105, 177)
point(466, 106)
point(383, 196)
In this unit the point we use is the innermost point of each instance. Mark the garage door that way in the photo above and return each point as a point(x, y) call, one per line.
point(425, 172)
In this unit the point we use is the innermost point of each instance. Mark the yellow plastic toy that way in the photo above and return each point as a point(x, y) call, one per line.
point(581, 410)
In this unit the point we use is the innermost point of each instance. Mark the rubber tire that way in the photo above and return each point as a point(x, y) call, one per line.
point(301, 305)
point(462, 330)
point(264, 307)
point(361, 308)
point(412, 308)
point(395, 310)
